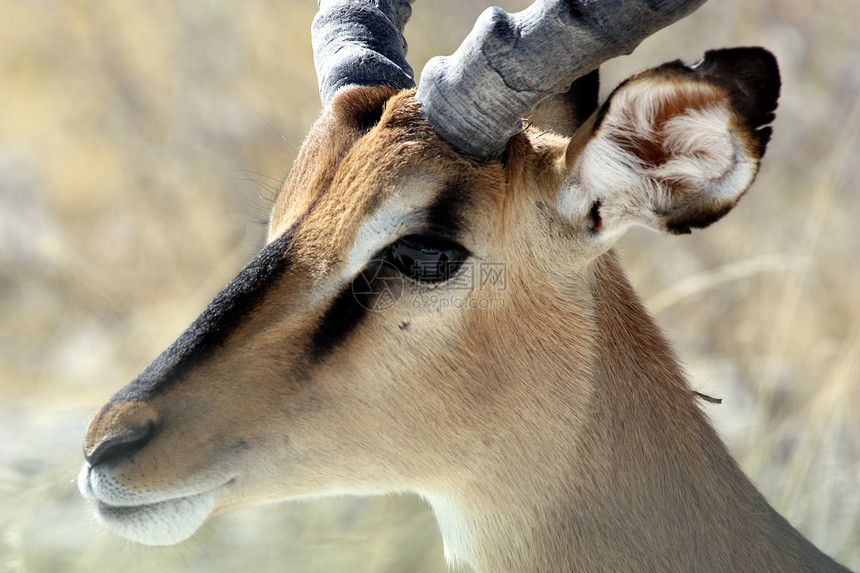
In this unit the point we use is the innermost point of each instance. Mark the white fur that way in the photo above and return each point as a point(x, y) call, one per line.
point(458, 538)
point(147, 517)
point(397, 213)
point(704, 154)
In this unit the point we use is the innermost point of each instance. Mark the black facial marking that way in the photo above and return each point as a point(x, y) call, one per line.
point(346, 312)
point(214, 324)
point(443, 214)
point(379, 284)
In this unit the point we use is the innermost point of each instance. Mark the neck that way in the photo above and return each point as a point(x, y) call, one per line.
point(641, 483)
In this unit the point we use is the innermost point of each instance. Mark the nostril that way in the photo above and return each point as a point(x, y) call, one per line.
point(124, 445)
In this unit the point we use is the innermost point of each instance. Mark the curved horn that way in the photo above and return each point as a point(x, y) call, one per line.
point(360, 42)
point(475, 98)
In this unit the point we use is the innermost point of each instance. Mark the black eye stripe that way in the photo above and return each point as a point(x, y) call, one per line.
point(445, 212)
point(424, 259)
point(342, 317)
point(366, 292)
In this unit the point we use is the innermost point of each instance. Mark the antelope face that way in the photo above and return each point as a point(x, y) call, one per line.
point(299, 379)
point(321, 367)
point(410, 301)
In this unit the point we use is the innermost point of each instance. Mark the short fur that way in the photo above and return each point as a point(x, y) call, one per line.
point(554, 432)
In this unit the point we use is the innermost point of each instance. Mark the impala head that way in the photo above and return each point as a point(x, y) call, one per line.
point(430, 271)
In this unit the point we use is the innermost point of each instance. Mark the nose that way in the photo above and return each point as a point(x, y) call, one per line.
point(119, 431)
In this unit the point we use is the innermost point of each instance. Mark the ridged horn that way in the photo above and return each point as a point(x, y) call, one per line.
point(508, 63)
point(360, 42)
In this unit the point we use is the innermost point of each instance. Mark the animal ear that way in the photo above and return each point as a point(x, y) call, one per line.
point(674, 147)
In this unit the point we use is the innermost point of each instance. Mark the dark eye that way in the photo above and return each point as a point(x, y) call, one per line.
point(426, 259)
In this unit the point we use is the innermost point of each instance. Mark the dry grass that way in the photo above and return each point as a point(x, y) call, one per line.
point(139, 142)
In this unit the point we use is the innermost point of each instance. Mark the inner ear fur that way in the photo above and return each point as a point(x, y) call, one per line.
point(675, 147)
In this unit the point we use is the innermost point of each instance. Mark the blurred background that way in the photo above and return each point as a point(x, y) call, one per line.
point(141, 144)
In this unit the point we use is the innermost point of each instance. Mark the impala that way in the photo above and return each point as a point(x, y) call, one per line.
point(439, 309)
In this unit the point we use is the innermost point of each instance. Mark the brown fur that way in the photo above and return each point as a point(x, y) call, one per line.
point(554, 433)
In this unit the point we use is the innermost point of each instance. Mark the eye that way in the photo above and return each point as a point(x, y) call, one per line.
point(426, 259)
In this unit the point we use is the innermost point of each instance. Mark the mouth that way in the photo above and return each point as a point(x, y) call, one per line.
point(162, 523)
point(149, 522)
